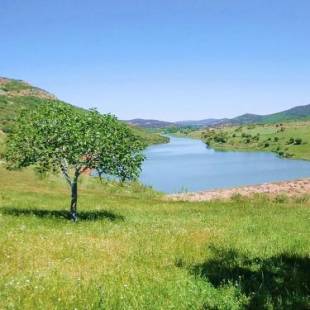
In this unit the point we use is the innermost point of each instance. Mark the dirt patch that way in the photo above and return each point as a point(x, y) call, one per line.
point(289, 188)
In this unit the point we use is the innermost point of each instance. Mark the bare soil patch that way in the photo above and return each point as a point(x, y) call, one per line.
point(289, 188)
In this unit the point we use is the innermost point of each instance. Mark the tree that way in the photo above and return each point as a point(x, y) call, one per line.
point(61, 138)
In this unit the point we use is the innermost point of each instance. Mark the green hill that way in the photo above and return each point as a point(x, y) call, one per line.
point(293, 114)
point(16, 95)
point(296, 113)
point(289, 139)
point(247, 118)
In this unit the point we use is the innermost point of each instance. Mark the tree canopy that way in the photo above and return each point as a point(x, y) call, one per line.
point(59, 137)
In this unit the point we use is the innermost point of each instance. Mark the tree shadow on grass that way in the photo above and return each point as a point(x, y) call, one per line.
point(278, 282)
point(93, 215)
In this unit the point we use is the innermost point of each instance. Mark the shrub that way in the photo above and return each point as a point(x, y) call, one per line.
point(298, 141)
point(288, 155)
point(220, 139)
point(281, 198)
point(256, 137)
point(291, 141)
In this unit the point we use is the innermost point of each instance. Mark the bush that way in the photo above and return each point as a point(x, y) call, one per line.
point(220, 139)
point(281, 198)
point(288, 155)
point(298, 141)
point(291, 141)
point(256, 137)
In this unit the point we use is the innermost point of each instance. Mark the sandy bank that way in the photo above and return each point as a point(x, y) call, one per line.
point(289, 188)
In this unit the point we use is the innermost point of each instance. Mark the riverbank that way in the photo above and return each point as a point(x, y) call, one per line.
point(187, 165)
point(288, 140)
point(294, 188)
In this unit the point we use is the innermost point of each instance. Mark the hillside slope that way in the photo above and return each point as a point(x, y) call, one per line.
point(287, 139)
point(293, 114)
point(296, 113)
point(149, 123)
point(16, 95)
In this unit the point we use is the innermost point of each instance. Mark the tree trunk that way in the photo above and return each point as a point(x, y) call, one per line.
point(74, 197)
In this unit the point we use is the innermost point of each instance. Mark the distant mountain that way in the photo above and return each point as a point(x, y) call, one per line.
point(149, 123)
point(296, 113)
point(246, 119)
point(201, 123)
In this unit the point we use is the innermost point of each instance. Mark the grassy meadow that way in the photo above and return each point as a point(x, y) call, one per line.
point(290, 139)
point(132, 249)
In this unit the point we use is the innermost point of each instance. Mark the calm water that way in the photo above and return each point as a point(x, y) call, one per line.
point(187, 165)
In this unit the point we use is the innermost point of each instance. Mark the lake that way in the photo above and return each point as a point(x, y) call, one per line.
point(187, 164)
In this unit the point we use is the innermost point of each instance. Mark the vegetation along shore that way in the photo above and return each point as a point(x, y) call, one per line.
point(287, 139)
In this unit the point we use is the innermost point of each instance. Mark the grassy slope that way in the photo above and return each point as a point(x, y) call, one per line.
point(148, 136)
point(16, 95)
point(131, 250)
point(2, 143)
point(266, 142)
point(299, 113)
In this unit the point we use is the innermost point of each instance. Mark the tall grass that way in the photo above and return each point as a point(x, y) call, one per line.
point(133, 250)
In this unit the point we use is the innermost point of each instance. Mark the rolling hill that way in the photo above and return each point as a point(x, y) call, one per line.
point(149, 123)
point(293, 114)
point(16, 95)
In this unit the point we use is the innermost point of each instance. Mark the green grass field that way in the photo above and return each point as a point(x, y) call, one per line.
point(269, 137)
point(131, 249)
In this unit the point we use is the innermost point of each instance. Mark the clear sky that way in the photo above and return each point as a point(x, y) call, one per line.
point(162, 59)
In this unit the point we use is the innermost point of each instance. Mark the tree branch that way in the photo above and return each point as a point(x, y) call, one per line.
point(64, 170)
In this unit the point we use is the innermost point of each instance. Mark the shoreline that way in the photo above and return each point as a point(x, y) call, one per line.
point(232, 148)
point(299, 187)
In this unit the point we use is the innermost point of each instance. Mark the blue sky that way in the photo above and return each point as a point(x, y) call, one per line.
point(169, 60)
